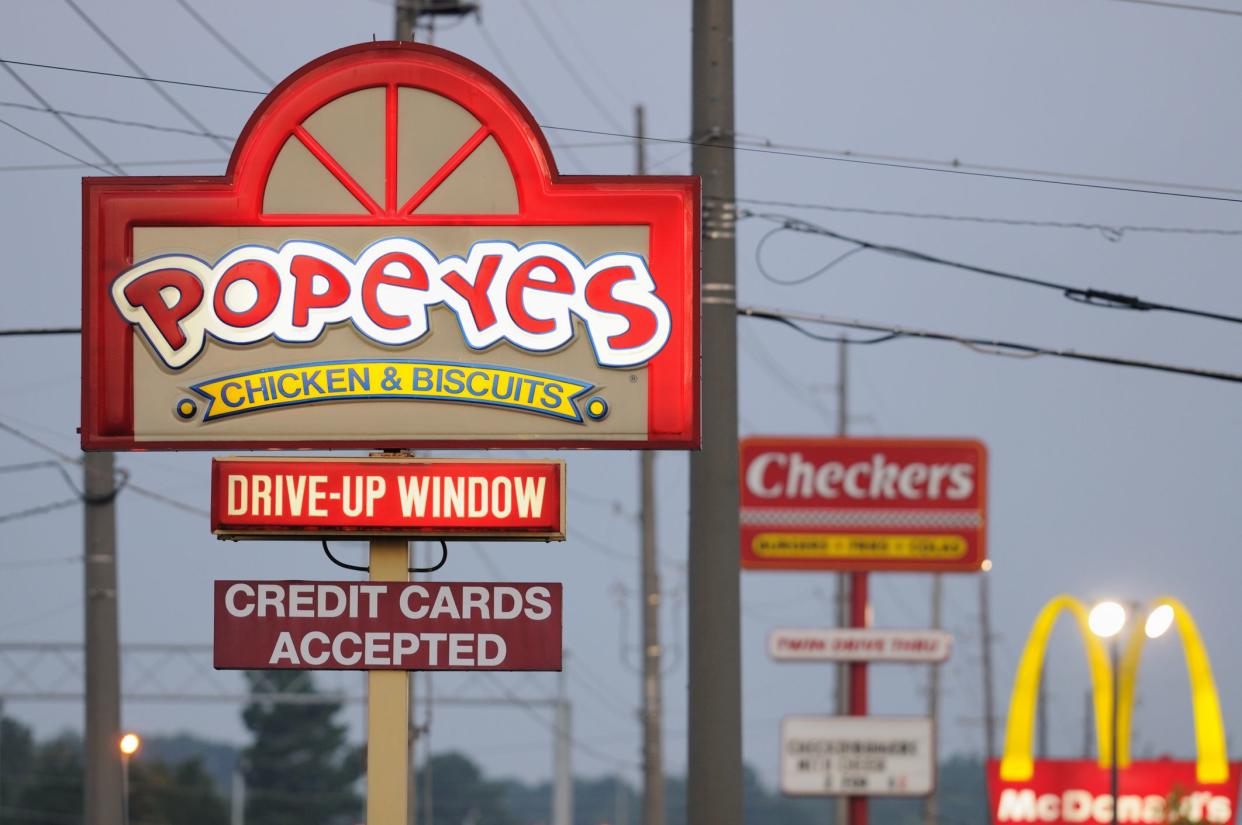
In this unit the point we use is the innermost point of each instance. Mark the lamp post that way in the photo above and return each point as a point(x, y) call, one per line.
point(1106, 620)
point(129, 745)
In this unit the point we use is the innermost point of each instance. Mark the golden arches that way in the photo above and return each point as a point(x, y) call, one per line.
point(1017, 764)
point(1212, 765)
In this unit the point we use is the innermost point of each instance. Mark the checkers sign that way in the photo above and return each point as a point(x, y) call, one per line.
point(863, 504)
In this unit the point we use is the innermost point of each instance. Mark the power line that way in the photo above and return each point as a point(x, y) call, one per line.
point(56, 148)
point(947, 167)
point(513, 79)
point(155, 127)
point(47, 107)
point(123, 76)
point(959, 166)
point(39, 510)
point(1112, 232)
point(955, 167)
point(54, 167)
point(1084, 295)
point(1183, 7)
point(578, 40)
point(133, 65)
point(41, 330)
point(576, 744)
point(225, 42)
point(984, 346)
point(570, 70)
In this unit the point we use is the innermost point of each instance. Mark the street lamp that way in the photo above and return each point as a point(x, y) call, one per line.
point(1106, 620)
point(128, 745)
point(1158, 621)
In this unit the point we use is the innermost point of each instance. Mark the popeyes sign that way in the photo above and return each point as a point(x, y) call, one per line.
point(391, 261)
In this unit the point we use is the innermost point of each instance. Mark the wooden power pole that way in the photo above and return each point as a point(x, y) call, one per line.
point(714, 764)
point(652, 692)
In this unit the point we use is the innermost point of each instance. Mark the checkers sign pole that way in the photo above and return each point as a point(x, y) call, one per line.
point(391, 262)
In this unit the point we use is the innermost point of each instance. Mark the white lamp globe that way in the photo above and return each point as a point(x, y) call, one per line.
point(1107, 619)
point(1159, 621)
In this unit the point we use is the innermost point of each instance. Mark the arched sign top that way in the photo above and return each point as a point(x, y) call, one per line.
point(376, 146)
point(390, 261)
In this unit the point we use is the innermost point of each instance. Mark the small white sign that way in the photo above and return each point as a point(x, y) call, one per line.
point(857, 756)
point(859, 645)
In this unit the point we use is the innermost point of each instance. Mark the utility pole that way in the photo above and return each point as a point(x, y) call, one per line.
point(1041, 715)
point(237, 798)
point(931, 805)
point(841, 803)
point(652, 693)
point(1088, 714)
point(102, 655)
point(985, 640)
point(407, 18)
point(989, 708)
point(563, 779)
point(714, 765)
point(409, 12)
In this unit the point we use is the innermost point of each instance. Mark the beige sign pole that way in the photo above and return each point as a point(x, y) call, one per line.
point(388, 709)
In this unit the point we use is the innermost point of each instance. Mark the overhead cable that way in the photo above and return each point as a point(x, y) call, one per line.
point(1112, 232)
point(1184, 7)
point(959, 166)
point(225, 42)
point(1085, 295)
point(56, 148)
point(138, 124)
point(570, 70)
point(956, 167)
point(46, 106)
point(138, 70)
point(514, 80)
point(985, 346)
point(54, 167)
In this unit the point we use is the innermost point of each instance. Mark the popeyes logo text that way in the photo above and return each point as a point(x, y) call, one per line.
point(527, 296)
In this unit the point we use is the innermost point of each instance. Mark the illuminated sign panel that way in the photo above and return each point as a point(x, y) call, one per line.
point(302, 498)
point(391, 261)
point(863, 504)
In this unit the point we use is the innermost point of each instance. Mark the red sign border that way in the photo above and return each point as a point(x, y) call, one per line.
point(863, 566)
point(291, 533)
point(668, 204)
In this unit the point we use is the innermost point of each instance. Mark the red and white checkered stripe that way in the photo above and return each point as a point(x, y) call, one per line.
point(787, 517)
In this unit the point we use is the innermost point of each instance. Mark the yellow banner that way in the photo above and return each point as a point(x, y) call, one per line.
point(859, 546)
point(494, 386)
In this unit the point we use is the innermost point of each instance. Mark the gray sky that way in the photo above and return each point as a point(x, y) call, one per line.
point(1104, 481)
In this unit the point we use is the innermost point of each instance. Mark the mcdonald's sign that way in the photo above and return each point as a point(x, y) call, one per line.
point(1027, 790)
